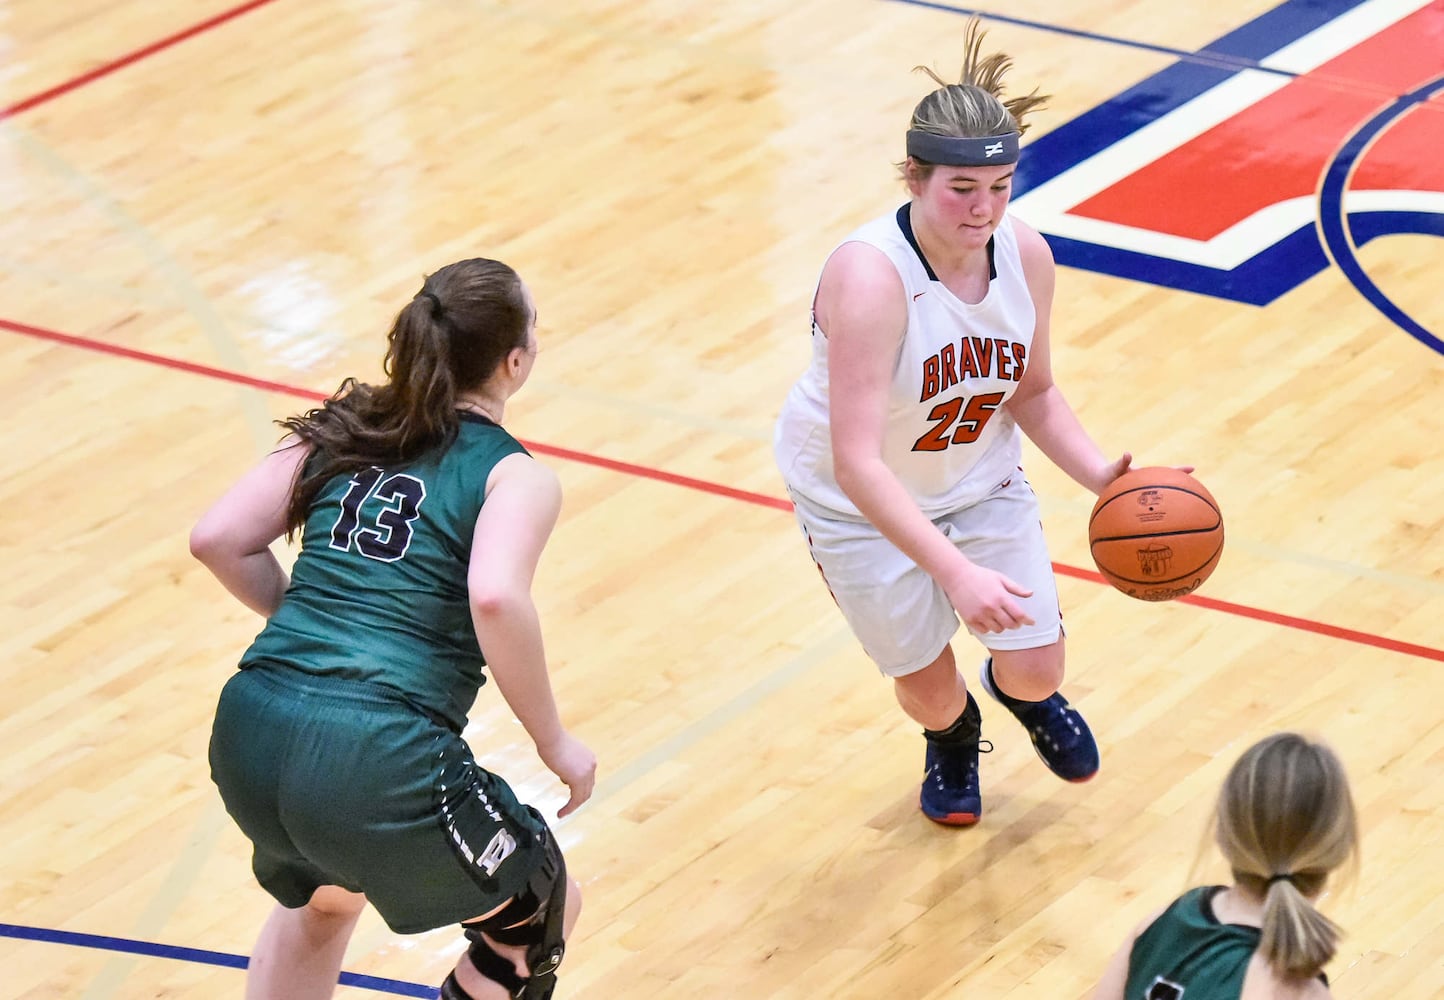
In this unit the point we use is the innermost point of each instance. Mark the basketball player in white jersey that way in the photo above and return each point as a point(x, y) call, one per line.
point(900, 444)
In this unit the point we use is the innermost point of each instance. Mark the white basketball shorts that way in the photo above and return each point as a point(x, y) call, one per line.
point(900, 615)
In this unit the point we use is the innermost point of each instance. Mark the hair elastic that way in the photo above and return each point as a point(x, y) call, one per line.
point(963, 151)
point(1280, 878)
point(435, 302)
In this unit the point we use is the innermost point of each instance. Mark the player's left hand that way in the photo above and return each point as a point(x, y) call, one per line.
point(1113, 470)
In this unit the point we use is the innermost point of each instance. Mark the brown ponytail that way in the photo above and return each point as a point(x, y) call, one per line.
point(447, 340)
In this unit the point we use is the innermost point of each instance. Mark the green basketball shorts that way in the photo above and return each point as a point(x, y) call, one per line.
point(341, 783)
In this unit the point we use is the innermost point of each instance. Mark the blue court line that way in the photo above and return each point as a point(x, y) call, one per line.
point(1210, 57)
point(1335, 235)
point(152, 949)
point(1334, 224)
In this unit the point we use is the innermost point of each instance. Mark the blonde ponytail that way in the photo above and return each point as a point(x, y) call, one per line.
point(1297, 939)
point(1285, 820)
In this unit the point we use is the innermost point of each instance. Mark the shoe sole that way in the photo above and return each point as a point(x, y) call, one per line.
point(953, 819)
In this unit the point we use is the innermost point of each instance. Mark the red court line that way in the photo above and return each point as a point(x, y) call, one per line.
point(100, 346)
point(717, 489)
point(1276, 618)
point(646, 472)
point(631, 469)
point(129, 59)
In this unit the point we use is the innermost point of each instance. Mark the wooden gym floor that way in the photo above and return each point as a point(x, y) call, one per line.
point(211, 212)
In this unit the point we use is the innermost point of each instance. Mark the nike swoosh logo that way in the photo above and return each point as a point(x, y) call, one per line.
point(918, 296)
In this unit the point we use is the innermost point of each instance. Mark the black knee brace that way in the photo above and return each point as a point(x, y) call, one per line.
point(451, 990)
point(533, 919)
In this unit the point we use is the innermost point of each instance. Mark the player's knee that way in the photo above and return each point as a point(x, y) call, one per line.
point(453, 990)
point(938, 681)
point(933, 695)
point(333, 901)
point(533, 925)
point(573, 906)
point(1029, 674)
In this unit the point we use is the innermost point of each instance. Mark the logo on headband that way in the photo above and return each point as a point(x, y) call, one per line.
point(1272, 154)
point(962, 151)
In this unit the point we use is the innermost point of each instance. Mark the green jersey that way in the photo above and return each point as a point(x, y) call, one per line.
point(378, 592)
point(1186, 954)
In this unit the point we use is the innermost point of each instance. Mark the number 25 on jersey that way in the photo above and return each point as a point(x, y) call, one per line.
point(956, 423)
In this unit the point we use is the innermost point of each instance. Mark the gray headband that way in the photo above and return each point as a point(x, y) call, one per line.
point(954, 151)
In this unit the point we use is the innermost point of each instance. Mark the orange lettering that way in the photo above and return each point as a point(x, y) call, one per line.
point(930, 379)
point(974, 417)
point(968, 366)
point(985, 356)
point(950, 372)
point(1003, 359)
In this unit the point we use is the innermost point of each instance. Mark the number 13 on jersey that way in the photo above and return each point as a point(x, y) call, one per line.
point(387, 535)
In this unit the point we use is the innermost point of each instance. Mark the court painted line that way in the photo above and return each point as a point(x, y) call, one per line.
point(1277, 618)
point(297, 331)
point(225, 959)
point(716, 719)
point(177, 364)
point(629, 468)
point(187, 292)
point(106, 69)
point(1053, 506)
point(1071, 507)
point(129, 59)
point(1203, 57)
point(737, 707)
point(1333, 219)
point(199, 844)
point(718, 489)
point(661, 476)
point(183, 875)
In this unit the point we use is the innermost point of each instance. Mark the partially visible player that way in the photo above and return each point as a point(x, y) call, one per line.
point(900, 445)
point(337, 747)
point(1284, 822)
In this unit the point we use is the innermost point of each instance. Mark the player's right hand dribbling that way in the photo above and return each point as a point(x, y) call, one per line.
point(986, 600)
point(574, 763)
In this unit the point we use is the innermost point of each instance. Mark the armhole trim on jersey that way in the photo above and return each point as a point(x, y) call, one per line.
point(1205, 905)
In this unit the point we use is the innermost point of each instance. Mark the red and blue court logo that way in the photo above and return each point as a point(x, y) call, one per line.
point(1248, 167)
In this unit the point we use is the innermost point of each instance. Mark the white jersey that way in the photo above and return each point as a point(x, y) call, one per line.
point(946, 437)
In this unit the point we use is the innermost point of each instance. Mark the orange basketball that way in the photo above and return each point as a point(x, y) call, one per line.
point(1155, 533)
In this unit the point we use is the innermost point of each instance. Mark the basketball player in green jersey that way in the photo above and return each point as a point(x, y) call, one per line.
point(337, 747)
point(1285, 820)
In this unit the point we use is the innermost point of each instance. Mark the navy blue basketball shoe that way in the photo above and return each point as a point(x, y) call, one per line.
point(1060, 735)
point(950, 793)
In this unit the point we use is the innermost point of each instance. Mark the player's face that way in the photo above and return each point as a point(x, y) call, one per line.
point(529, 352)
point(967, 203)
